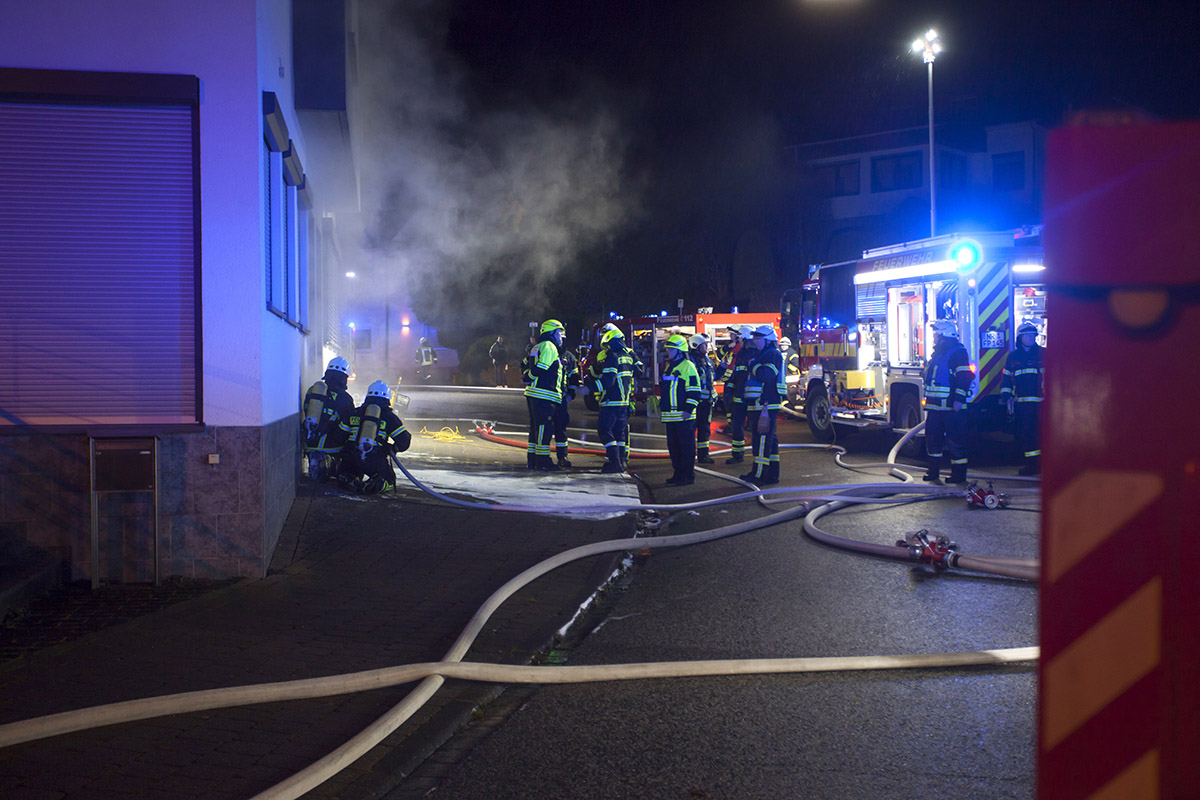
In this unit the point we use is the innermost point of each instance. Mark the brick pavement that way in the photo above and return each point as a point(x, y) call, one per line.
point(354, 584)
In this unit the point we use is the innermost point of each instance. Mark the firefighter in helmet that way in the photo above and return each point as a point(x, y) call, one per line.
point(545, 393)
point(734, 369)
point(327, 404)
point(680, 394)
point(426, 357)
point(948, 379)
point(1022, 389)
point(791, 359)
point(698, 353)
point(764, 392)
point(569, 384)
point(613, 371)
point(374, 435)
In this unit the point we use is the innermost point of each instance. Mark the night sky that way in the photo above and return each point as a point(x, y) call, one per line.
point(705, 96)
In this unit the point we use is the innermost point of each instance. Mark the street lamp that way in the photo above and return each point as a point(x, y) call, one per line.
point(929, 46)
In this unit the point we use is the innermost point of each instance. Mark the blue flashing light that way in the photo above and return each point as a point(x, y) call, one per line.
point(735, 310)
point(966, 255)
point(612, 315)
point(662, 313)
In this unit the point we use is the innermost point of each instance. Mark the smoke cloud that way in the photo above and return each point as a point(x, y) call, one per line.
point(480, 216)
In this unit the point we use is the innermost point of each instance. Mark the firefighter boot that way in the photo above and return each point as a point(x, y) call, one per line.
point(958, 473)
point(530, 461)
point(546, 464)
point(931, 474)
point(702, 456)
point(737, 459)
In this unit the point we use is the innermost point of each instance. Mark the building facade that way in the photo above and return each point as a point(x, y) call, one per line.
point(866, 191)
point(171, 179)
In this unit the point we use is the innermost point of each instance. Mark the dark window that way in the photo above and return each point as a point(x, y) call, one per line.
point(1008, 171)
point(951, 171)
point(901, 171)
point(362, 339)
point(837, 180)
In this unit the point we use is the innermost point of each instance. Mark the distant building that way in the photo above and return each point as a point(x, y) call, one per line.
point(866, 191)
point(171, 178)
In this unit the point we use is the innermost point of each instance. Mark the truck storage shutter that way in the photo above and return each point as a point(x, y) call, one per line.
point(99, 275)
point(871, 301)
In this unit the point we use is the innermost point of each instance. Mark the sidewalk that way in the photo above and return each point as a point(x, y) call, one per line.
point(355, 584)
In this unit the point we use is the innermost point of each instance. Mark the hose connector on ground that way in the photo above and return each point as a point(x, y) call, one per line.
point(929, 548)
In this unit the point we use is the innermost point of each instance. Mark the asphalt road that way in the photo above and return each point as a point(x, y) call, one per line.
point(776, 593)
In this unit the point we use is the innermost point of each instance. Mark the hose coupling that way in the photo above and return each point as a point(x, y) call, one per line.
point(925, 547)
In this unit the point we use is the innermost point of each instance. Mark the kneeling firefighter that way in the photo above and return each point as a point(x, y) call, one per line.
point(327, 404)
point(375, 433)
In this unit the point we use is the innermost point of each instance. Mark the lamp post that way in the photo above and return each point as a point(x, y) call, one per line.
point(929, 46)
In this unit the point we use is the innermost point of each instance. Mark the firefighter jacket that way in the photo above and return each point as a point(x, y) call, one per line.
point(569, 372)
point(1024, 375)
point(948, 376)
point(791, 360)
point(426, 356)
point(738, 371)
point(527, 365)
point(704, 368)
point(615, 380)
point(390, 431)
point(680, 389)
point(545, 370)
point(765, 382)
point(337, 406)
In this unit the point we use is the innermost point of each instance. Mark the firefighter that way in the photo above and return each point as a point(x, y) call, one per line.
point(426, 357)
point(326, 405)
point(764, 393)
point(373, 435)
point(680, 394)
point(1022, 390)
point(613, 385)
point(498, 353)
point(948, 378)
point(735, 365)
point(704, 368)
point(569, 384)
point(791, 359)
point(544, 392)
point(527, 378)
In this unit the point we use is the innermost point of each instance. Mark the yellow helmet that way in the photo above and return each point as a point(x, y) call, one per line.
point(552, 324)
point(608, 336)
point(677, 342)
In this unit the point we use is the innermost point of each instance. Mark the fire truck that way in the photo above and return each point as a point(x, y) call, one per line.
point(863, 334)
point(648, 335)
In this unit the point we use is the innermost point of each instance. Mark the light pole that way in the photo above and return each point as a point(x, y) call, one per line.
point(929, 46)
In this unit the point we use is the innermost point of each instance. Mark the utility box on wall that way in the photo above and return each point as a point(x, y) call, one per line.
point(124, 501)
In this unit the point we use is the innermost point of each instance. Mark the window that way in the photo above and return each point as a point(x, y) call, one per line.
point(276, 292)
point(99, 244)
point(951, 171)
point(901, 171)
point(837, 180)
point(1008, 171)
point(362, 339)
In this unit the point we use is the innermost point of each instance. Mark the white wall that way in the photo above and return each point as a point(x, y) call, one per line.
point(218, 41)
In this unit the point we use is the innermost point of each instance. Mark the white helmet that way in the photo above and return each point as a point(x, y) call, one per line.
point(767, 332)
point(339, 364)
point(945, 327)
point(746, 332)
point(379, 389)
point(786, 342)
point(697, 340)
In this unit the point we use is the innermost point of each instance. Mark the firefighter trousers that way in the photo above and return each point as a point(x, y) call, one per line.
point(681, 444)
point(541, 426)
point(946, 434)
point(737, 428)
point(612, 427)
point(765, 445)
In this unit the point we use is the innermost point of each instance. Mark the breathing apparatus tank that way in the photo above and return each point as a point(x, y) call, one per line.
point(315, 405)
point(368, 428)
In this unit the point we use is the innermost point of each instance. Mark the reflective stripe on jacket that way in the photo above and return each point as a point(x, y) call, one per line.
point(1024, 375)
point(680, 387)
point(545, 371)
point(948, 376)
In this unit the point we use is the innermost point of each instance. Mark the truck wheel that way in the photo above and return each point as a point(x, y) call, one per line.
point(820, 421)
point(908, 415)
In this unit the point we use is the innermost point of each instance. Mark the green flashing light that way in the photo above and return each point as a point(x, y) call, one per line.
point(966, 255)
